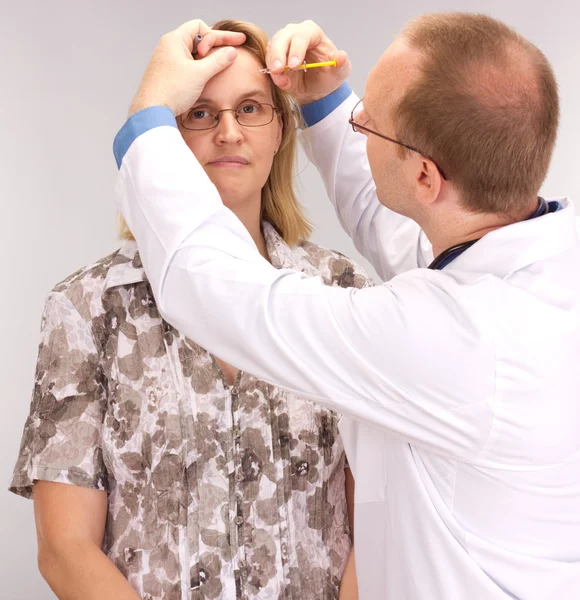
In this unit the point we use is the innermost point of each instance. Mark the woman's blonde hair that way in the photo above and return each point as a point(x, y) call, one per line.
point(280, 206)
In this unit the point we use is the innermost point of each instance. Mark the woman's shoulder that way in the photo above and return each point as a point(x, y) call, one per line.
point(86, 288)
point(336, 268)
point(99, 272)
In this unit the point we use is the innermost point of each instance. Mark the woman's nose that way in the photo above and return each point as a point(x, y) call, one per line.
point(228, 129)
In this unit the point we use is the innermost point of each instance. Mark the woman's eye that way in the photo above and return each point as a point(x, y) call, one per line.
point(249, 109)
point(199, 114)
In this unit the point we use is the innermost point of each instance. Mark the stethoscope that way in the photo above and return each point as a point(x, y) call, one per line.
point(452, 253)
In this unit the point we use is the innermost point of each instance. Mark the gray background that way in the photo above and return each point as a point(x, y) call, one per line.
point(68, 71)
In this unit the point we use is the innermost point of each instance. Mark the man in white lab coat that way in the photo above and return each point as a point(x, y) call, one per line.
point(459, 382)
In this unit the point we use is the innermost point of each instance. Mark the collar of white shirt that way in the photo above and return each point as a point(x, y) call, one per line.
point(516, 246)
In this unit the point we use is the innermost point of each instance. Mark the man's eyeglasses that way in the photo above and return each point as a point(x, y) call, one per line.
point(360, 127)
point(248, 114)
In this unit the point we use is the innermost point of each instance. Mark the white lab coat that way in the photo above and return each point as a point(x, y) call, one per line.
point(461, 387)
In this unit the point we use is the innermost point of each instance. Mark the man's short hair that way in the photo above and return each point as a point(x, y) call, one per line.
point(485, 107)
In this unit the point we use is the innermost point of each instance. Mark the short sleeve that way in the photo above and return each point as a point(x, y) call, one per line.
point(62, 434)
point(346, 273)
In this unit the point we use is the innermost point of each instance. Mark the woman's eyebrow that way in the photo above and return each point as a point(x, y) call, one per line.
point(252, 93)
point(248, 94)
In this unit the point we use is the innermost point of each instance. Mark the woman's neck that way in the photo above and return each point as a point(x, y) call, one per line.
point(249, 214)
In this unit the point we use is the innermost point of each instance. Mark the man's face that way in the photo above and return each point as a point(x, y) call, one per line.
point(394, 174)
point(237, 159)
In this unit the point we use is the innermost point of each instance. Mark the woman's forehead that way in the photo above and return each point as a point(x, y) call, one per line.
point(241, 77)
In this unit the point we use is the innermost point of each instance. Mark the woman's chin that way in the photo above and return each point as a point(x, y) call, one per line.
point(233, 197)
point(228, 182)
point(235, 191)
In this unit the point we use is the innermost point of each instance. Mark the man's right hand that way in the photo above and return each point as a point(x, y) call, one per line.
point(293, 45)
point(173, 78)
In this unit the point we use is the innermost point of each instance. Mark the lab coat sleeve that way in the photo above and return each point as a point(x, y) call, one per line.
point(377, 354)
point(391, 242)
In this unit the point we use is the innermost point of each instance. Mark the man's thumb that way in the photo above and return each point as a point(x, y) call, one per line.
point(218, 61)
point(343, 64)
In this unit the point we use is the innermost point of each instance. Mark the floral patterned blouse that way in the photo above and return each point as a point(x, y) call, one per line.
point(214, 491)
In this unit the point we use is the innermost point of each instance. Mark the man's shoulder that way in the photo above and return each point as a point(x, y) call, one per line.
point(336, 268)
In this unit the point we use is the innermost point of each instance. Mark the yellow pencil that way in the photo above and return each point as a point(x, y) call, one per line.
point(305, 65)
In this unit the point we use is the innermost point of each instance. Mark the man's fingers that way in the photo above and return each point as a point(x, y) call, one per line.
point(215, 38)
point(342, 63)
point(282, 81)
point(189, 30)
point(297, 51)
point(216, 62)
point(211, 37)
point(290, 45)
point(308, 37)
point(277, 51)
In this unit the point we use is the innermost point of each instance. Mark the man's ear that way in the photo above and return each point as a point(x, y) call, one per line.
point(429, 181)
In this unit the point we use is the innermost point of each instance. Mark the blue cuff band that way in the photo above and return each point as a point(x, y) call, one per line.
point(315, 112)
point(139, 123)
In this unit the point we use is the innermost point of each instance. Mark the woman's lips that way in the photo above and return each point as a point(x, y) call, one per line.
point(230, 161)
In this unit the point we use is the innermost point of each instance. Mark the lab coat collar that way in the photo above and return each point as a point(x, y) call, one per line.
point(513, 247)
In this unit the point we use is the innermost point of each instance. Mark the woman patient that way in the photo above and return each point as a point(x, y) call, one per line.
point(159, 471)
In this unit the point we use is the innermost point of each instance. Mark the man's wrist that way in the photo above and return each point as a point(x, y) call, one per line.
point(314, 112)
point(316, 97)
point(139, 123)
point(142, 102)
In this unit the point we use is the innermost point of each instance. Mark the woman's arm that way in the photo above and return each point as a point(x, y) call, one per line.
point(348, 585)
point(349, 489)
point(70, 524)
